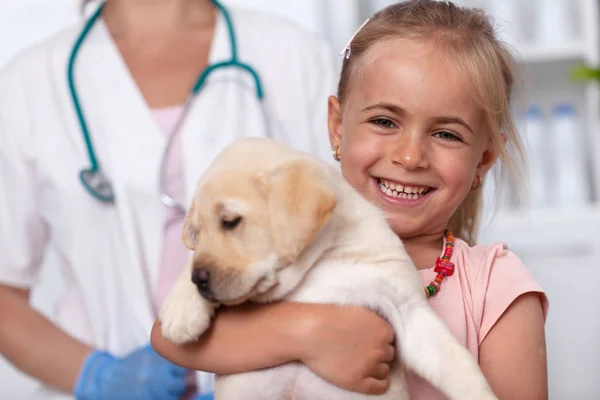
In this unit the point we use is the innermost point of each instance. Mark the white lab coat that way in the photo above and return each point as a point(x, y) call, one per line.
point(103, 248)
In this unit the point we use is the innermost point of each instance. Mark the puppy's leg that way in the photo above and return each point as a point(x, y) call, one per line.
point(185, 315)
point(425, 344)
point(428, 347)
point(266, 384)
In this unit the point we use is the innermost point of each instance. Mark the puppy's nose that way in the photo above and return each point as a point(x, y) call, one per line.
point(201, 278)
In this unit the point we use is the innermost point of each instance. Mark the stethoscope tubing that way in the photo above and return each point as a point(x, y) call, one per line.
point(93, 178)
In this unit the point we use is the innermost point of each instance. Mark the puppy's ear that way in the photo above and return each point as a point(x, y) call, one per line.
point(190, 232)
point(300, 203)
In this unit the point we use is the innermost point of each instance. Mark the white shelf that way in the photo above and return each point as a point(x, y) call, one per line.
point(545, 219)
point(552, 214)
point(549, 52)
point(546, 230)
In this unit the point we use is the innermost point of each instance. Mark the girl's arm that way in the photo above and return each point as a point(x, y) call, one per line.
point(253, 337)
point(513, 354)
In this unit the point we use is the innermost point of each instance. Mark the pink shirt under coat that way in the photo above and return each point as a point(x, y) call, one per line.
point(174, 254)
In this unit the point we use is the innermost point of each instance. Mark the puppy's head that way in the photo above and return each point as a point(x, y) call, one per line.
point(253, 214)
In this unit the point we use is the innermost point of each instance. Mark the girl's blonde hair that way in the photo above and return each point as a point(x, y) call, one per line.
point(466, 37)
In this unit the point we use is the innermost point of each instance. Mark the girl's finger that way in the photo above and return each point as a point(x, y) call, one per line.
point(381, 371)
point(374, 386)
point(389, 354)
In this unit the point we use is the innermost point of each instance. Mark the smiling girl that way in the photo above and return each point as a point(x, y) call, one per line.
point(423, 111)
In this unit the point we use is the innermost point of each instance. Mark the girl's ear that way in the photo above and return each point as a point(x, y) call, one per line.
point(488, 158)
point(334, 121)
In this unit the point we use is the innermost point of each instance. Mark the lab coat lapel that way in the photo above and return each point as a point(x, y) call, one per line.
point(225, 109)
point(132, 146)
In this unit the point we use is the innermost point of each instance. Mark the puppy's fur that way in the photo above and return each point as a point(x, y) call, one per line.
point(269, 223)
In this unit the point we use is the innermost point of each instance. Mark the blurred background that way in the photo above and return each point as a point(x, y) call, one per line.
point(556, 234)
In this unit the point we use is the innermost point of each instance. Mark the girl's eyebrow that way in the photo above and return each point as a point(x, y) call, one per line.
point(386, 106)
point(452, 120)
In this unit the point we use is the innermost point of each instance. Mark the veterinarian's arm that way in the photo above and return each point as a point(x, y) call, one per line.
point(513, 354)
point(36, 346)
point(349, 347)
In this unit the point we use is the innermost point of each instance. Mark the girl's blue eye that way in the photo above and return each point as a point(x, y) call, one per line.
point(445, 135)
point(384, 123)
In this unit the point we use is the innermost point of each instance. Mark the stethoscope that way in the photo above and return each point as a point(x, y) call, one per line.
point(93, 178)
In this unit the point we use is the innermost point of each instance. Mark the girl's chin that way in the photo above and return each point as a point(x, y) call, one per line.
point(403, 227)
point(407, 226)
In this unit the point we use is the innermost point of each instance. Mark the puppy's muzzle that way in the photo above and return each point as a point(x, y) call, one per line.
point(201, 278)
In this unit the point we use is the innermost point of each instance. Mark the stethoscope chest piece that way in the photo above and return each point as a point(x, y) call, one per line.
point(97, 184)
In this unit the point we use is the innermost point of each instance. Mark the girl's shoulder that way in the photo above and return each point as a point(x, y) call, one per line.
point(493, 277)
point(482, 263)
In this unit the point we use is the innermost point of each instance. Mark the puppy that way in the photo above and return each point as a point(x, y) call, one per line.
point(269, 223)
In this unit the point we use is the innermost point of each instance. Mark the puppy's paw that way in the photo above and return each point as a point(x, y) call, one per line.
point(476, 388)
point(485, 393)
point(184, 318)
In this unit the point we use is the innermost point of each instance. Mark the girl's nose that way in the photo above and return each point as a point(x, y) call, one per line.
point(410, 152)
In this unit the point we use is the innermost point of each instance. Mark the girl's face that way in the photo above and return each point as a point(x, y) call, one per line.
point(411, 136)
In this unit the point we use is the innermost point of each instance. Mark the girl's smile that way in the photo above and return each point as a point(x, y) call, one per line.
point(402, 194)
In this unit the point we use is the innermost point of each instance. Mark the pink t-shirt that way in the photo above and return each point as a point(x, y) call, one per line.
point(486, 280)
point(174, 253)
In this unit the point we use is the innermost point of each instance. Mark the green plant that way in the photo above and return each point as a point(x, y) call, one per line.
point(585, 73)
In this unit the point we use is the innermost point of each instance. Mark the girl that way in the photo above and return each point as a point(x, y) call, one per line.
point(422, 114)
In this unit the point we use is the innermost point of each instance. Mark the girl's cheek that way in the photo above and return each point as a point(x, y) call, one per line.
point(361, 156)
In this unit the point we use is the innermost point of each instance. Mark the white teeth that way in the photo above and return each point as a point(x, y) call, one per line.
point(400, 191)
point(401, 188)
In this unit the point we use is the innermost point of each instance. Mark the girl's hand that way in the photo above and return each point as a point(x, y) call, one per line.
point(350, 347)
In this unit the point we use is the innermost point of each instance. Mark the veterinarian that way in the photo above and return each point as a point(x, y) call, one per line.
point(104, 130)
point(422, 113)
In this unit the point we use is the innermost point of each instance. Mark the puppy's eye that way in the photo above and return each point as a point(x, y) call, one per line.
point(230, 223)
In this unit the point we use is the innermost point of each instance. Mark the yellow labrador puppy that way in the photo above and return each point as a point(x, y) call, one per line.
point(269, 223)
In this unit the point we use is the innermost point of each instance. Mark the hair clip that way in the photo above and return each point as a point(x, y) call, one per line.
point(346, 51)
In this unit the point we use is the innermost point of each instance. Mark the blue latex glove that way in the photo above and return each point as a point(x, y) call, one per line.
point(142, 374)
point(206, 396)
